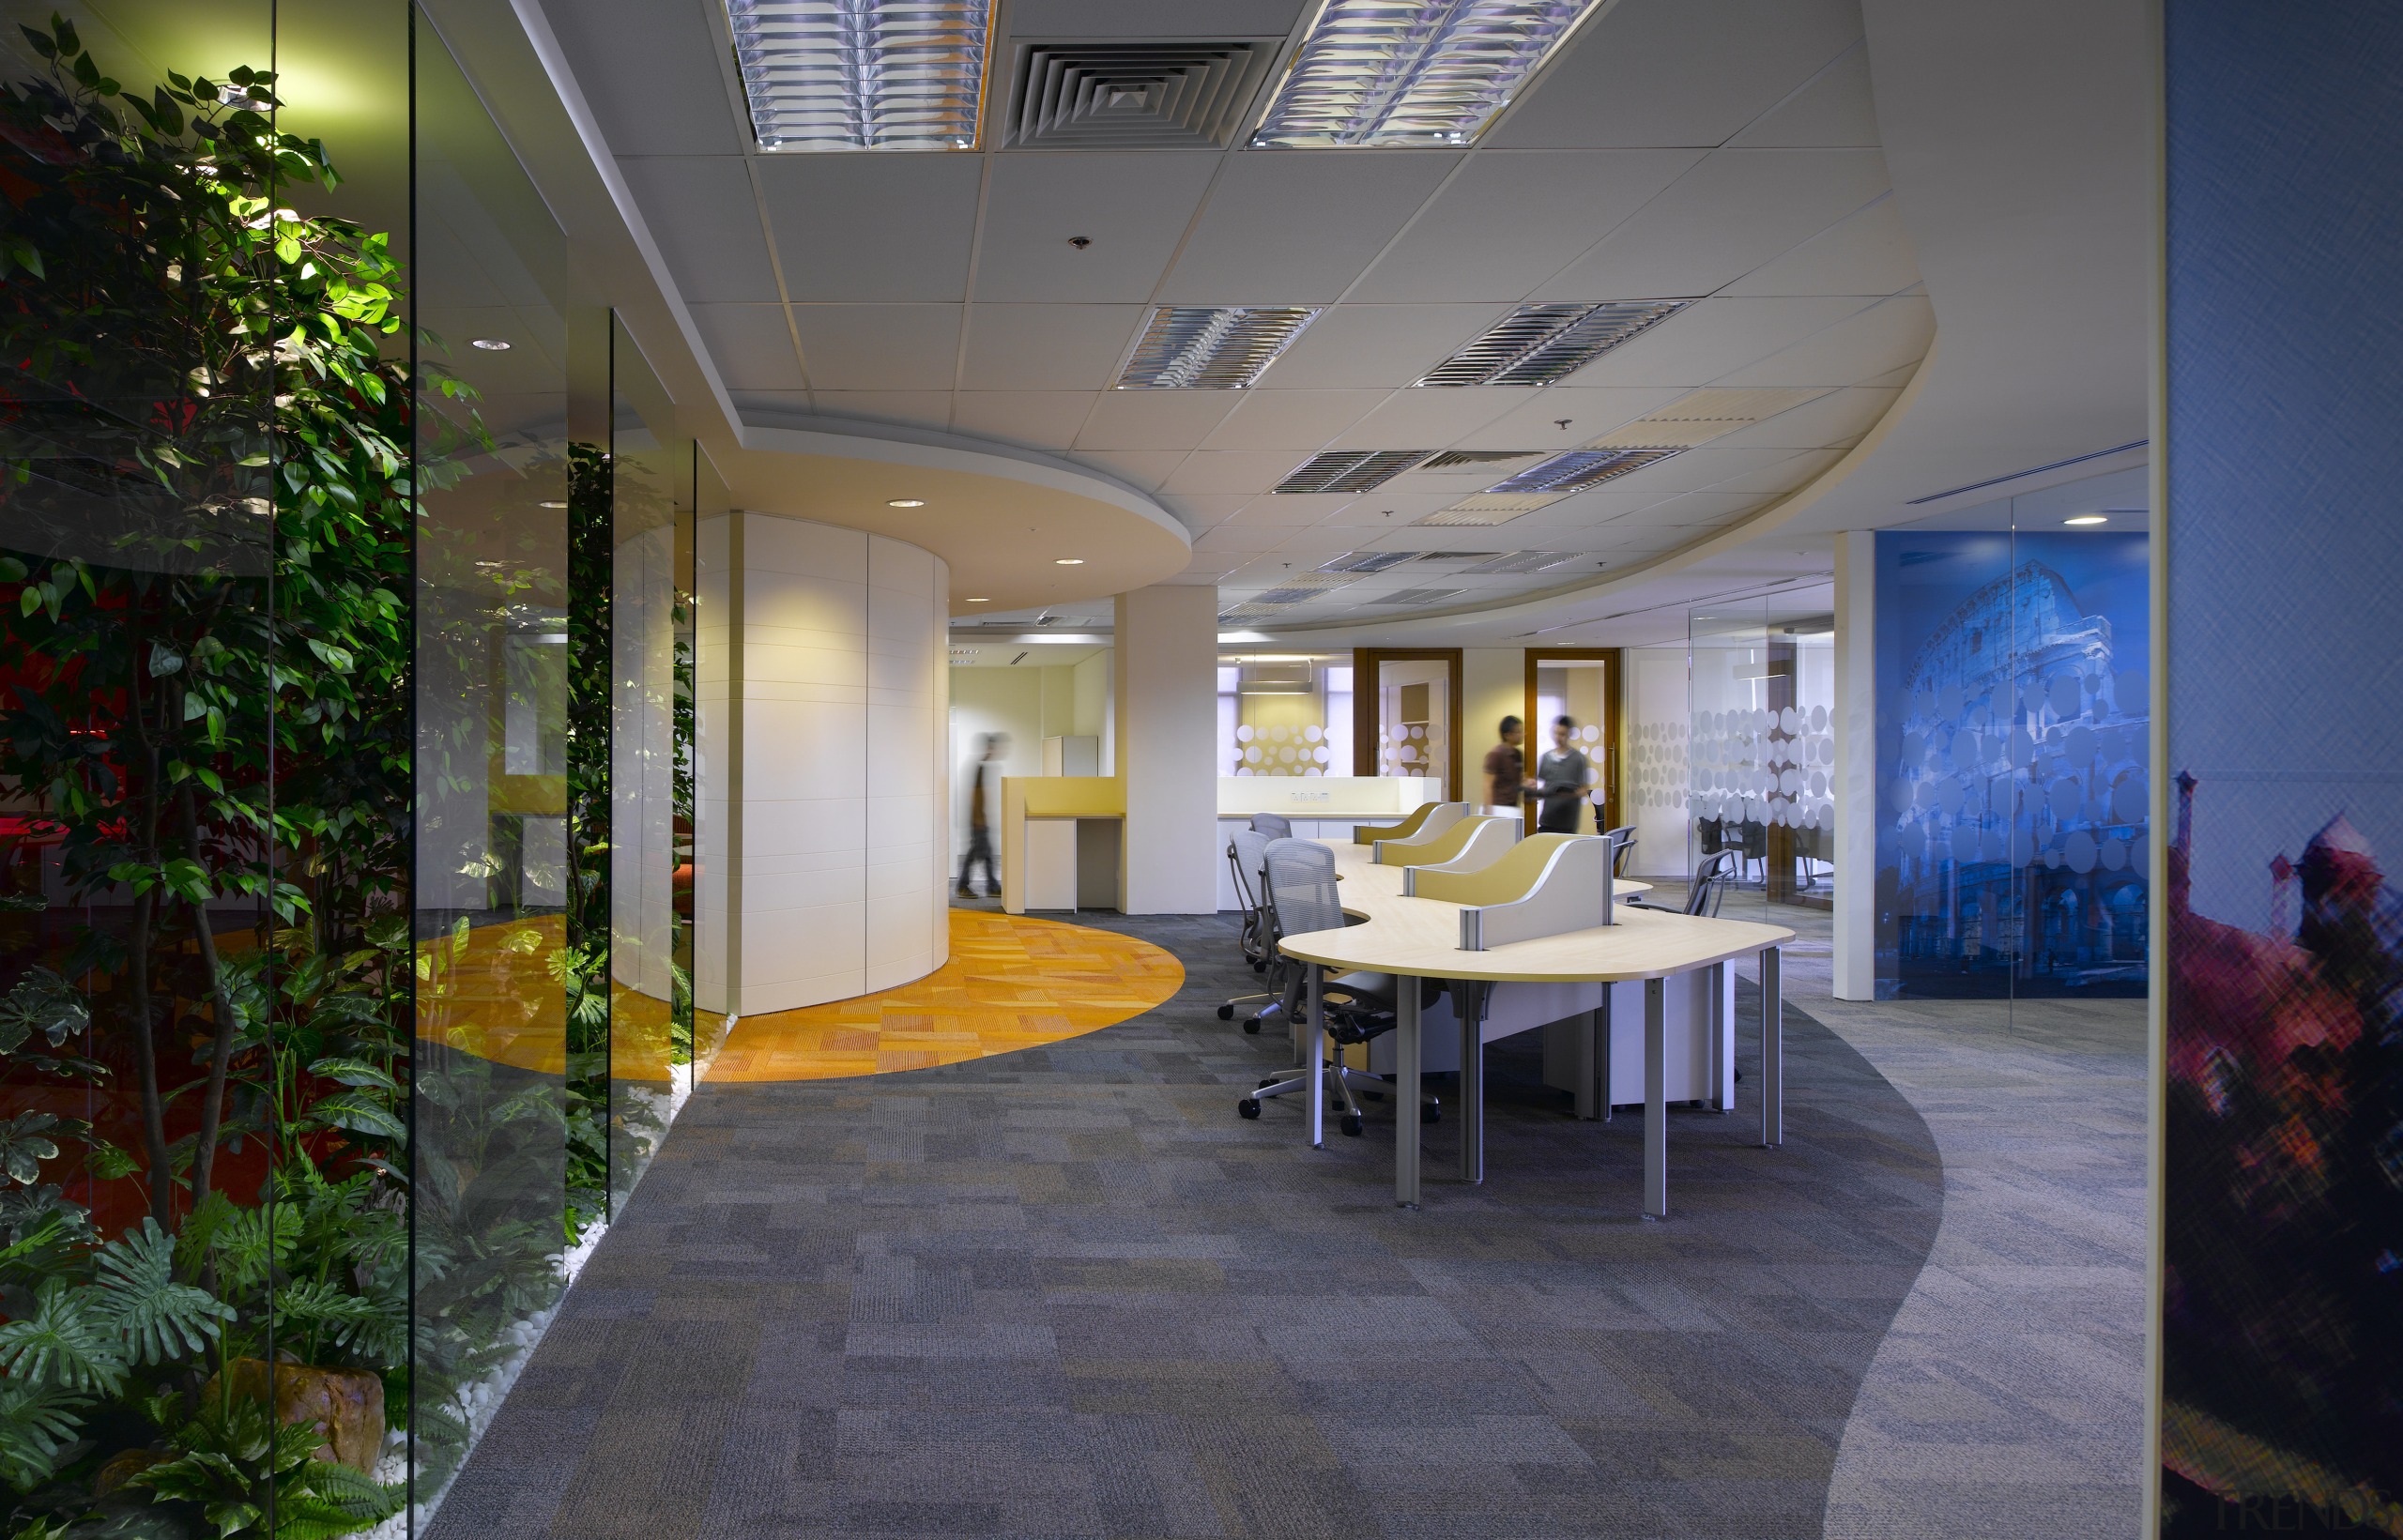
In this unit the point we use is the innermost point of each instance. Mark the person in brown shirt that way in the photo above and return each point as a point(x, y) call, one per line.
point(1506, 767)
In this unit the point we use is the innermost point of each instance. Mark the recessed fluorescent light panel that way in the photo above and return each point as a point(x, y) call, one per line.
point(1203, 347)
point(1543, 344)
point(1578, 469)
point(1362, 562)
point(1468, 460)
point(1349, 471)
point(1524, 561)
point(862, 74)
point(1395, 72)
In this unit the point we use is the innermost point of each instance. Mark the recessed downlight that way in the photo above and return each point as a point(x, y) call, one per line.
point(980, 601)
point(1067, 561)
point(2086, 520)
point(490, 344)
point(550, 504)
point(905, 502)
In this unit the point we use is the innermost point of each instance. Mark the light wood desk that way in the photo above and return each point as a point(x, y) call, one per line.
point(1419, 938)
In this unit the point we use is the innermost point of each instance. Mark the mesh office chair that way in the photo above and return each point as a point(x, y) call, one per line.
point(1301, 897)
point(1711, 880)
point(1246, 854)
point(1272, 826)
point(1622, 845)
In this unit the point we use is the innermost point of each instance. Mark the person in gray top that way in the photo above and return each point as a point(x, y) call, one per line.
point(1562, 776)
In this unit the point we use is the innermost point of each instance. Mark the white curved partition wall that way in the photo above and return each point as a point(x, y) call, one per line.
point(823, 694)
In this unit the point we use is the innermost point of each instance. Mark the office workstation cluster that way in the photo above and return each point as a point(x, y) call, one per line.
point(1047, 768)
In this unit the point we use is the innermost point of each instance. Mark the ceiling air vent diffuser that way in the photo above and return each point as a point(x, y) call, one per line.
point(1471, 459)
point(1542, 345)
point(1203, 347)
point(1363, 562)
point(1349, 471)
point(1156, 94)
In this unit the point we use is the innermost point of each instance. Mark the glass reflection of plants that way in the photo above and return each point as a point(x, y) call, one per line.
point(203, 720)
point(592, 519)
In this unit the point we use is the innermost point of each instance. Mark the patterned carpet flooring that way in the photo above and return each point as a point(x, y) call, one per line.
point(1068, 1293)
point(1012, 982)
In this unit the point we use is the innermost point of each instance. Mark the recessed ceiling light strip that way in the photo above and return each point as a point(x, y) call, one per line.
point(1579, 469)
point(1542, 345)
point(862, 74)
point(1202, 347)
point(1371, 72)
point(1349, 471)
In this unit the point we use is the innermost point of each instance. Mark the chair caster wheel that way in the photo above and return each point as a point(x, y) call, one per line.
point(1431, 1113)
point(1260, 967)
point(1352, 1126)
point(1226, 1013)
point(1252, 1025)
point(1270, 1081)
point(1249, 1106)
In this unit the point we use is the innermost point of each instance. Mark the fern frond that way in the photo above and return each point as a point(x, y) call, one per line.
point(156, 1318)
point(37, 1422)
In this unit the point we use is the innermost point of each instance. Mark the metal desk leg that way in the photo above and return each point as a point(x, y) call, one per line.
point(1314, 1061)
point(1656, 1099)
point(1772, 1052)
point(1469, 998)
point(1406, 1124)
point(1589, 1061)
point(1716, 981)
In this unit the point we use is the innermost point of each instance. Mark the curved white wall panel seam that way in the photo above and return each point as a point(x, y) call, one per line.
point(832, 689)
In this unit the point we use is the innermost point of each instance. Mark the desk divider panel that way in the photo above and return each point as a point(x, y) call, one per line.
point(1440, 847)
point(1440, 817)
point(1483, 842)
point(1571, 893)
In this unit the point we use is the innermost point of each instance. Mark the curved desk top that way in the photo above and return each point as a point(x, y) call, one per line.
point(1419, 937)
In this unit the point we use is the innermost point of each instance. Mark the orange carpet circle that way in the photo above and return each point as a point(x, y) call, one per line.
point(1012, 982)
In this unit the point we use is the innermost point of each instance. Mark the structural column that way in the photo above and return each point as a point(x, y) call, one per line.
point(1165, 687)
point(1854, 786)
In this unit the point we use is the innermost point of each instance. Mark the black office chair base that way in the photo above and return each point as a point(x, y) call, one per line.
point(1249, 1106)
point(1226, 1013)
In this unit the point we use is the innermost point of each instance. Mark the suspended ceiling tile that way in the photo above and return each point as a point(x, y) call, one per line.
point(1699, 468)
point(1430, 419)
point(1048, 347)
point(1385, 511)
point(1291, 420)
point(1204, 509)
point(1676, 72)
point(1506, 223)
point(1293, 511)
point(1134, 208)
point(1154, 419)
point(1047, 419)
point(700, 211)
point(759, 405)
point(1716, 337)
point(751, 346)
point(917, 408)
point(1367, 347)
point(1296, 227)
point(1144, 468)
point(1778, 477)
point(1533, 423)
point(864, 227)
point(1867, 252)
point(651, 74)
point(1699, 509)
point(1733, 211)
point(1151, 18)
point(1834, 111)
point(1232, 470)
point(1239, 540)
point(878, 347)
point(1833, 420)
point(1886, 336)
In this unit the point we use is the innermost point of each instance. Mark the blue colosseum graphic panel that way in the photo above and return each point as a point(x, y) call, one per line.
point(2012, 787)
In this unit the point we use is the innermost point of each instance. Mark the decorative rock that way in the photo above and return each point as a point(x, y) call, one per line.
point(345, 1406)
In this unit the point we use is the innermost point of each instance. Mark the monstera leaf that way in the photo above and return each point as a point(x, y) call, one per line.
point(155, 1318)
point(37, 1424)
point(63, 1343)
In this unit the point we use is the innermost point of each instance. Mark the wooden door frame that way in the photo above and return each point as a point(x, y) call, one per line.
point(1613, 713)
point(1364, 705)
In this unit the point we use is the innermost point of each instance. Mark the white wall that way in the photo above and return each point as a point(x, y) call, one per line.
point(1854, 786)
point(832, 668)
point(1030, 703)
point(716, 792)
point(1493, 684)
point(1167, 693)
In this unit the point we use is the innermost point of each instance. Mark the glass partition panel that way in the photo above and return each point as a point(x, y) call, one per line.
point(495, 742)
point(1658, 777)
point(1761, 743)
point(1286, 715)
point(1581, 690)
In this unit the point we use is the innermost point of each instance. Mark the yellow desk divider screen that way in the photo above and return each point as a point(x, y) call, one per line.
point(1478, 844)
point(1441, 845)
point(1371, 833)
point(1439, 816)
point(1571, 890)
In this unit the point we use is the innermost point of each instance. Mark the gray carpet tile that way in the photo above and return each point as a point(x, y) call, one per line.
point(1068, 1292)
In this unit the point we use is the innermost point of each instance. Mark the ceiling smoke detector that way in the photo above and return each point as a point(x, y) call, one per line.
point(1203, 347)
point(1543, 344)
